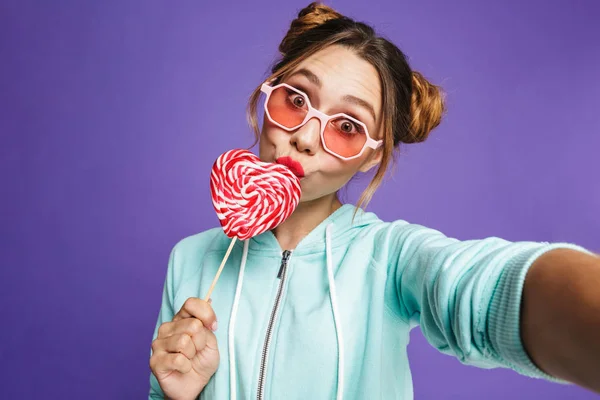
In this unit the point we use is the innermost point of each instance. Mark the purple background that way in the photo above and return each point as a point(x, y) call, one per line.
point(113, 112)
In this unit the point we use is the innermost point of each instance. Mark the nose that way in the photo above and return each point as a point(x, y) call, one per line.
point(307, 138)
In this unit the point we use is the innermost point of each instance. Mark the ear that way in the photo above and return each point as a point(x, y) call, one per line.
point(372, 161)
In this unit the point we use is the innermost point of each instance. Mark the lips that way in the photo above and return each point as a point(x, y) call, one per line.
point(293, 165)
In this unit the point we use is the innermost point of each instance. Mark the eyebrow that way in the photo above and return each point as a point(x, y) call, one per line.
point(347, 98)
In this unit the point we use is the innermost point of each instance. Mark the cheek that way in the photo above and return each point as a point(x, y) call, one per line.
point(272, 134)
point(330, 165)
point(336, 170)
point(336, 166)
point(271, 139)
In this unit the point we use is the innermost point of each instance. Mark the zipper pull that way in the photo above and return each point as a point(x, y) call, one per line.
point(284, 261)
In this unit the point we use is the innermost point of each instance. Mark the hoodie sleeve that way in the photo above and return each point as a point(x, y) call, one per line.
point(165, 314)
point(466, 295)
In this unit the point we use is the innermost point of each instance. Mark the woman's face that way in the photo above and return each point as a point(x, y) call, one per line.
point(340, 73)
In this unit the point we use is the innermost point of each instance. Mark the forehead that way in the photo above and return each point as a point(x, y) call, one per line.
point(342, 72)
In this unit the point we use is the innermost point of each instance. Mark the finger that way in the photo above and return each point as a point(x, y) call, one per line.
point(205, 340)
point(200, 337)
point(192, 327)
point(186, 344)
point(185, 325)
point(163, 363)
point(180, 343)
point(198, 308)
point(210, 340)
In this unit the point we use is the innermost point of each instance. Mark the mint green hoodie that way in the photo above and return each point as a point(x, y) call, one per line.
point(331, 319)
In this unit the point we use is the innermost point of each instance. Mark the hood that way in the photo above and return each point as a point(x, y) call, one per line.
point(345, 227)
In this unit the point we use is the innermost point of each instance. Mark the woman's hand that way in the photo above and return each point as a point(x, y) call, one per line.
point(185, 353)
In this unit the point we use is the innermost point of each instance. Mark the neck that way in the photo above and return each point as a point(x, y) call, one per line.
point(307, 216)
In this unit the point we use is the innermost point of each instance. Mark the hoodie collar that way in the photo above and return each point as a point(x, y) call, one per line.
point(345, 229)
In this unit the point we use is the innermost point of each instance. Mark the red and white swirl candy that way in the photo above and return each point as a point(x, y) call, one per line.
point(251, 196)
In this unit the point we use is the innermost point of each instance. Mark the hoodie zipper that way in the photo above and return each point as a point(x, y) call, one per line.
point(265, 354)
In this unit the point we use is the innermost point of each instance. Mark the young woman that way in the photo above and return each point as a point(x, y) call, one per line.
point(321, 307)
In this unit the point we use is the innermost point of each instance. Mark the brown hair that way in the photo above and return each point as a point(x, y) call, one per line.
point(411, 105)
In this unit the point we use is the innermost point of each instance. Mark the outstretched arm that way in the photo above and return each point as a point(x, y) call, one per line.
point(467, 297)
point(560, 319)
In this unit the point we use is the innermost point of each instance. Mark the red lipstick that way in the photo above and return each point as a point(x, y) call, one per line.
point(293, 165)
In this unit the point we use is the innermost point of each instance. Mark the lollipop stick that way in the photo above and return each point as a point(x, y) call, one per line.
point(214, 282)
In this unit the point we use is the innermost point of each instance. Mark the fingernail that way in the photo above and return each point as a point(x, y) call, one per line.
point(214, 326)
point(209, 301)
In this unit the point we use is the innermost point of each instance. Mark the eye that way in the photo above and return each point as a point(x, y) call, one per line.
point(298, 100)
point(348, 127)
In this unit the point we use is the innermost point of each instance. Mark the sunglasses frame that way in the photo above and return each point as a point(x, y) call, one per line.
point(323, 119)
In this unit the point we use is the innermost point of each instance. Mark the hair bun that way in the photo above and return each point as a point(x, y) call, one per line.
point(309, 17)
point(427, 108)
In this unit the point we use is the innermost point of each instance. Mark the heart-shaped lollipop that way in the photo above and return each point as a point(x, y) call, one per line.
point(251, 196)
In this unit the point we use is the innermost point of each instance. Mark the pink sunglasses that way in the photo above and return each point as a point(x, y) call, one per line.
point(290, 108)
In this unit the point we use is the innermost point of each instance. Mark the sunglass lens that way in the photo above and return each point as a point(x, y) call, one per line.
point(344, 136)
point(287, 107)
